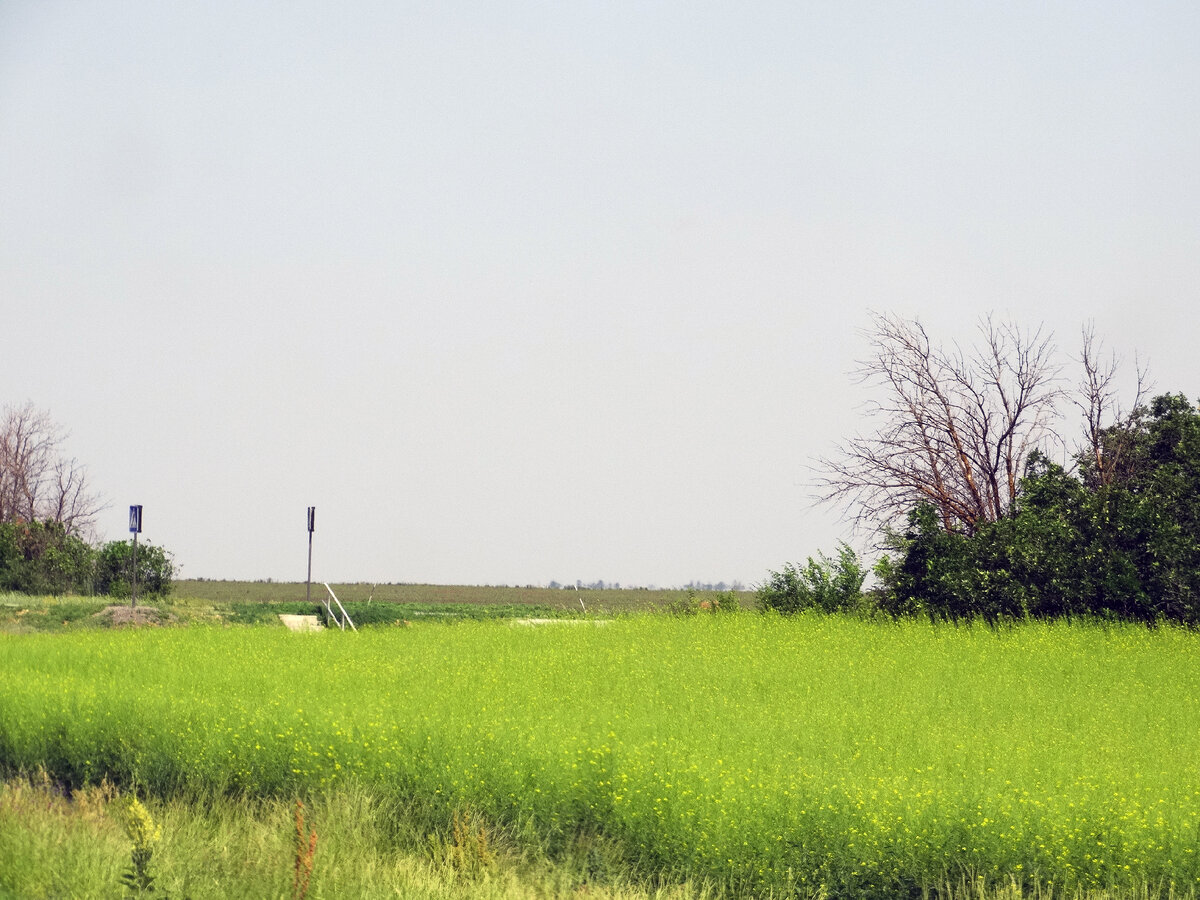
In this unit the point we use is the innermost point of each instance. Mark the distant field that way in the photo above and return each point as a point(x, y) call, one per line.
point(624, 600)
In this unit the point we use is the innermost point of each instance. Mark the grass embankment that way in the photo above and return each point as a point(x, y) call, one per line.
point(750, 753)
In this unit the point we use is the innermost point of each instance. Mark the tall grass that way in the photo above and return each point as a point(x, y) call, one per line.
point(54, 847)
point(759, 753)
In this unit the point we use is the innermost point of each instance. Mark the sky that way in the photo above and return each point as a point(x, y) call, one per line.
point(521, 292)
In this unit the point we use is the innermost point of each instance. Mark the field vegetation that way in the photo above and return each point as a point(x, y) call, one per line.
point(53, 846)
point(261, 603)
point(445, 596)
point(744, 755)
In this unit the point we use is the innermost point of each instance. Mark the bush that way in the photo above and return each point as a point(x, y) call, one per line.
point(114, 570)
point(726, 601)
point(830, 585)
point(684, 606)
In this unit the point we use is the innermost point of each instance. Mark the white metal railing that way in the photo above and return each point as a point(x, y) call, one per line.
point(345, 620)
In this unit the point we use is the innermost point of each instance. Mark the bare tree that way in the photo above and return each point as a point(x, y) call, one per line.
point(1108, 425)
point(955, 427)
point(37, 482)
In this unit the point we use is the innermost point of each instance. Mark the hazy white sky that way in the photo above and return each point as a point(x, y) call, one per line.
point(515, 292)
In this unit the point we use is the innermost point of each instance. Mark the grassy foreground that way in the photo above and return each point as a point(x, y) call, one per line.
point(54, 847)
point(750, 754)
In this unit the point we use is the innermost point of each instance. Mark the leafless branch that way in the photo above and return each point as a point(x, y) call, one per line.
point(1107, 423)
point(955, 427)
point(37, 482)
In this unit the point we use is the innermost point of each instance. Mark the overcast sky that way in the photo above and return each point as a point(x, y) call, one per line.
point(514, 292)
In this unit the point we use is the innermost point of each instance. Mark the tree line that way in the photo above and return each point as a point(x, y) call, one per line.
point(47, 518)
point(981, 505)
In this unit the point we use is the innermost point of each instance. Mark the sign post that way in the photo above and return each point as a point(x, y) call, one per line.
point(135, 526)
point(312, 518)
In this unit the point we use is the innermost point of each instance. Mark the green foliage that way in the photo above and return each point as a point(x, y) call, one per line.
point(829, 585)
point(48, 613)
point(691, 604)
point(114, 570)
point(43, 558)
point(726, 602)
point(1124, 547)
point(686, 605)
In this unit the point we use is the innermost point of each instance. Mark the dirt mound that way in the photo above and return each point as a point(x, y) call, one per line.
point(126, 615)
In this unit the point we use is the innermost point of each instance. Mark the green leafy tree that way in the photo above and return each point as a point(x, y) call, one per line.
point(44, 558)
point(1116, 541)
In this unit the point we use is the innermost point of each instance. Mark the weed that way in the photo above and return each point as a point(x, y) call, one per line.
point(467, 850)
point(145, 834)
point(304, 847)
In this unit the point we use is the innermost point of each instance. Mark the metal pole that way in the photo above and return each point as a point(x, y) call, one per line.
point(135, 526)
point(312, 516)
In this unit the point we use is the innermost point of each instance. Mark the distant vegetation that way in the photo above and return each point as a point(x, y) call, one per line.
point(610, 600)
point(198, 602)
point(47, 512)
point(44, 558)
point(976, 518)
point(602, 585)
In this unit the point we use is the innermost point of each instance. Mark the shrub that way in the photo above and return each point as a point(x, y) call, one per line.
point(684, 606)
point(827, 584)
point(726, 601)
point(114, 570)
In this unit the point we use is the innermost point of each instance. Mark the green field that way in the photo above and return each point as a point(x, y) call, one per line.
point(750, 753)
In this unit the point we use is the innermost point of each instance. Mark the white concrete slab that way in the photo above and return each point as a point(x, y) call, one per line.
point(300, 623)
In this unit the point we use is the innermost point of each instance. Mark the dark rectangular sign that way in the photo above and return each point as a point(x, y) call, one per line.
point(312, 519)
point(135, 519)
